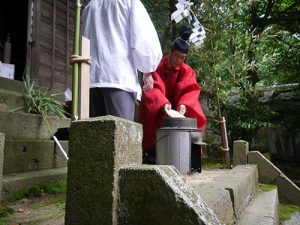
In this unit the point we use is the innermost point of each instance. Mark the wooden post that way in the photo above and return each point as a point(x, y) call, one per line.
point(84, 81)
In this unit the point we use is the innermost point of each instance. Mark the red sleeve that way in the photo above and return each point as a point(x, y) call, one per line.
point(187, 93)
point(151, 113)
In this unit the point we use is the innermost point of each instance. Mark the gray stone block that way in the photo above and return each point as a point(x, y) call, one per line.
point(10, 100)
point(227, 192)
point(97, 148)
point(26, 126)
point(14, 182)
point(158, 195)
point(262, 210)
point(30, 155)
point(268, 173)
point(289, 193)
point(217, 198)
point(240, 152)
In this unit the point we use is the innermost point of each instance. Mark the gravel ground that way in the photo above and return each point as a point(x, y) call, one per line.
point(46, 210)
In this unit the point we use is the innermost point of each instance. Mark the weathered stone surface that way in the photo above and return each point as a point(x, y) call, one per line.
point(26, 126)
point(268, 173)
point(158, 195)
point(226, 191)
point(240, 151)
point(10, 100)
point(262, 210)
point(30, 155)
point(97, 148)
point(2, 141)
point(14, 182)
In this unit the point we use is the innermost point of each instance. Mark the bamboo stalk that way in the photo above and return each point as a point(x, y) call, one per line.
point(75, 83)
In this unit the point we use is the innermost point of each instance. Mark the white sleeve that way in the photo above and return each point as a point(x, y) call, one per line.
point(85, 26)
point(145, 45)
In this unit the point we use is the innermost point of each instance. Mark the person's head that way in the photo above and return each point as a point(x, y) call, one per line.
point(176, 58)
point(180, 47)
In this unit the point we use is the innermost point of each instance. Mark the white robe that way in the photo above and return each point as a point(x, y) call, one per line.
point(123, 40)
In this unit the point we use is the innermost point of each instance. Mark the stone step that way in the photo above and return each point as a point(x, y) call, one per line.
point(16, 181)
point(31, 155)
point(12, 85)
point(10, 100)
point(227, 191)
point(262, 210)
point(26, 126)
point(18, 86)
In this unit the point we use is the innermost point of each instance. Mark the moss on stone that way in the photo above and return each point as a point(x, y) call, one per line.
point(267, 187)
point(285, 211)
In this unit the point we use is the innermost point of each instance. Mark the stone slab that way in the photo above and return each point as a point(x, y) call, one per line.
point(98, 147)
point(289, 193)
point(16, 181)
point(262, 210)
point(10, 100)
point(26, 126)
point(226, 191)
point(159, 195)
point(30, 155)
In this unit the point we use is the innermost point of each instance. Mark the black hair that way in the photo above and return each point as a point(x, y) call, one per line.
point(181, 43)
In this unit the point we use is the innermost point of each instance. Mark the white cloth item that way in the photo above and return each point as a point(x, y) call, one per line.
point(123, 40)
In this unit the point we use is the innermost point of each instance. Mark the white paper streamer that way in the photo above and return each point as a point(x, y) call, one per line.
point(184, 10)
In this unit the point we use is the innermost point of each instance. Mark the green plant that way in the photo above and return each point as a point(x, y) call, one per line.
point(53, 188)
point(37, 190)
point(33, 191)
point(40, 102)
point(5, 211)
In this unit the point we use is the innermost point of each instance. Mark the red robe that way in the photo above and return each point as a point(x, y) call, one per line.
point(176, 86)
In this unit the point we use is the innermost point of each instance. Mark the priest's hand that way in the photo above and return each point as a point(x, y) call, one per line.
point(148, 82)
point(181, 109)
point(167, 107)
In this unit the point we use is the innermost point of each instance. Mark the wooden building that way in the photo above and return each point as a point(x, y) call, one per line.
point(42, 34)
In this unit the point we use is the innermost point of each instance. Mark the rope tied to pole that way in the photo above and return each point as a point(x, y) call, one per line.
point(224, 149)
point(81, 59)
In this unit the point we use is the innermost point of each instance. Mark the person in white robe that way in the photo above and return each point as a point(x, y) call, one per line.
point(123, 41)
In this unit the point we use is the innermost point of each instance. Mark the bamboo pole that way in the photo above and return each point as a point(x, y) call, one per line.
point(76, 64)
point(223, 129)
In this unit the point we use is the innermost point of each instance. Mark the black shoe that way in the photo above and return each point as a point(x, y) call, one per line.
point(150, 157)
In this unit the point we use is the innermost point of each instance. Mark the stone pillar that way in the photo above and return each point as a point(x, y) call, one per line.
point(2, 141)
point(98, 147)
point(240, 152)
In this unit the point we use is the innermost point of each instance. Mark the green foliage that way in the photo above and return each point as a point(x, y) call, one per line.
point(248, 44)
point(214, 160)
point(267, 187)
point(33, 191)
point(42, 103)
point(5, 211)
point(37, 190)
point(53, 188)
point(285, 211)
point(4, 221)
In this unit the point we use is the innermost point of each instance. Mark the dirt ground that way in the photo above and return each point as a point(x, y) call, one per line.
point(45, 210)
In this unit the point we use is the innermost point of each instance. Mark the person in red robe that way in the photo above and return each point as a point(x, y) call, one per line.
point(175, 87)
